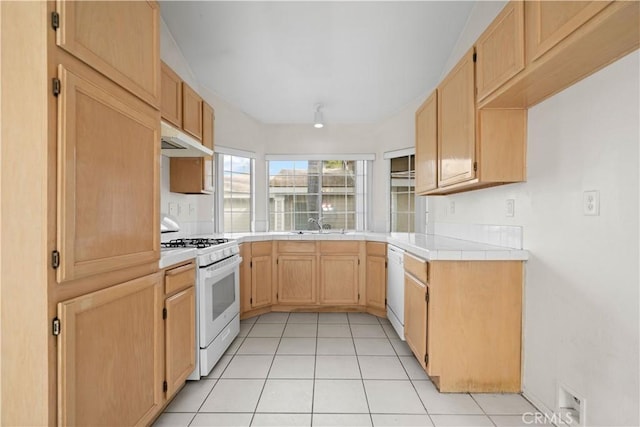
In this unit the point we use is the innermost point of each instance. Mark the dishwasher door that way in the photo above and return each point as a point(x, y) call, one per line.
point(395, 289)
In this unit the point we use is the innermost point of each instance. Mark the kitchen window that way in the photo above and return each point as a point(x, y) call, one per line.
point(235, 201)
point(407, 211)
point(403, 191)
point(331, 191)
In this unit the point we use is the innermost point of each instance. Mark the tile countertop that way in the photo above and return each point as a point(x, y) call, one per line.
point(428, 246)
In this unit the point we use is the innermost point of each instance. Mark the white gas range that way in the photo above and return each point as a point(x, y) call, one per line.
point(217, 295)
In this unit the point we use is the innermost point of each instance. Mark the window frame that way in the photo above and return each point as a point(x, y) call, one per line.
point(362, 188)
point(420, 203)
point(220, 152)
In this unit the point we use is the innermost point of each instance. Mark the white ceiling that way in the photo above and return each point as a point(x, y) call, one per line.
point(364, 61)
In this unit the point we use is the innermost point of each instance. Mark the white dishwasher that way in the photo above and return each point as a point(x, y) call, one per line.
point(395, 289)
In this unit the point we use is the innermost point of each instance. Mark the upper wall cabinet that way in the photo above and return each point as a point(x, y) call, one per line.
point(475, 149)
point(500, 49)
point(427, 145)
point(456, 123)
point(171, 101)
point(108, 176)
point(548, 22)
point(208, 123)
point(191, 112)
point(118, 39)
point(566, 41)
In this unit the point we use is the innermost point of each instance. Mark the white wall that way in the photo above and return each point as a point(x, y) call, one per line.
point(581, 324)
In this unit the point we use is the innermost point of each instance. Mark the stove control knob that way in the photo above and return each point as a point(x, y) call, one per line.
point(212, 258)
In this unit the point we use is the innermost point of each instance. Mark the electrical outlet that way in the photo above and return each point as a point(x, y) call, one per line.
point(591, 203)
point(173, 209)
point(510, 208)
point(452, 207)
point(183, 211)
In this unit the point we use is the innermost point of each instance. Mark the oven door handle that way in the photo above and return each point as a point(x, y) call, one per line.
point(209, 273)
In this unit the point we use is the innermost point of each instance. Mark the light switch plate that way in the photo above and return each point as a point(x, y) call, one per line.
point(510, 207)
point(591, 203)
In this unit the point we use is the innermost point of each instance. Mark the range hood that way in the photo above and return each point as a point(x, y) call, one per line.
point(175, 143)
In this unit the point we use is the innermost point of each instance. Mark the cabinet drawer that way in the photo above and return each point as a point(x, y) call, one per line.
point(297, 247)
point(261, 249)
point(416, 267)
point(376, 249)
point(179, 278)
point(340, 247)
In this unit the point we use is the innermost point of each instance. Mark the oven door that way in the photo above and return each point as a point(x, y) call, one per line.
point(219, 300)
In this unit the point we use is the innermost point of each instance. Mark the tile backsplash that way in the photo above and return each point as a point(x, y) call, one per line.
point(499, 235)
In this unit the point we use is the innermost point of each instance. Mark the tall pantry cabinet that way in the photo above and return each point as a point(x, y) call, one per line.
point(79, 193)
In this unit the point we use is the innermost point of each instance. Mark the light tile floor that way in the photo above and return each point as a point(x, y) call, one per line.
point(328, 369)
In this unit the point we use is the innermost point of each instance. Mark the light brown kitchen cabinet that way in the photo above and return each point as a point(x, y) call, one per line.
point(191, 112)
point(500, 49)
point(171, 96)
point(548, 23)
point(297, 279)
point(339, 279)
point(456, 124)
point(180, 326)
point(118, 39)
point(476, 148)
point(261, 274)
point(208, 125)
point(416, 303)
point(463, 322)
point(339, 273)
point(191, 175)
point(566, 41)
point(108, 176)
point(110, 355)
point(376, 275)
point(427, 145)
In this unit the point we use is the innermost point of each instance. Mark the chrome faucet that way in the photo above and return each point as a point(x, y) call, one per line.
point(317, 222)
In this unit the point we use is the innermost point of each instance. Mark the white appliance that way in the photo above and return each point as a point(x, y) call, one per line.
point(395, 289)
point(217, 298)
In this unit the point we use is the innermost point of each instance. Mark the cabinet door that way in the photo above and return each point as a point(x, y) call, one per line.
point(208, 125)
point(427, 145)
point(110, 355)
point(549, 22)
point(376, 281)
point(245, 278)
point(180, 339)
point(297, 279)
point(339, 279)
point(500, 49)
point(415, 317)
point(261, 281)
point(120, 39)
point(191, 175)
point(171, 101)
point(108, 176)
point(191, 112)
point(456, 124)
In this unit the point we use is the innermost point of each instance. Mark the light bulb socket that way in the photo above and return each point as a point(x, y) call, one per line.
point(318, 120)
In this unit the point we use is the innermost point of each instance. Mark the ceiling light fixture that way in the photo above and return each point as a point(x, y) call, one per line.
point(318, 120)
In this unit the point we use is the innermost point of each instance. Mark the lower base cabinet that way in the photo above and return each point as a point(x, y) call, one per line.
point(463, 322)
point(339, 279)
point(180, 328)
point(110, 355)
point(296, 279)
